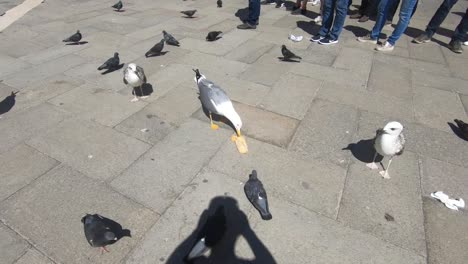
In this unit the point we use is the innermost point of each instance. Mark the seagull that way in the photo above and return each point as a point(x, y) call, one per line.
point(213, 35)
point(216, 101)
point(135, 77)
point(100, 231)
point(189, 13)
point(256, 194)
point(156, 49)
point(118, 6)
point(111, 63)
point(388, 141)
point(219, 3)
point(212, 232)
point(75, 38)
point(287, 54)
point(463, 127)
point(170, 39)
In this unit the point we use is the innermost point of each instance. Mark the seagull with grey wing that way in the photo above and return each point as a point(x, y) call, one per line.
point(216, 101)
point(389, 141)
point(134, 76)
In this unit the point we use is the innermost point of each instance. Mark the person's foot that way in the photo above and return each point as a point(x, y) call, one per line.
point(294, 8)
point(355, 16)
point(316, 38)
point(299, 11)
point(363, 19)
point(455, 46)
point(423, 38)
point(465, 43)
point(367, 39)
point(246, 26)
point(328, 41)
point(278, 4)
point(385, 47)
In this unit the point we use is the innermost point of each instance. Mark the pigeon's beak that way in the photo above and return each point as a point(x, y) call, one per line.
point(238, 132)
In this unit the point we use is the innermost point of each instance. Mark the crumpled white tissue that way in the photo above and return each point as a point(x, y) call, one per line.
point(453, 204)
point(295, 38)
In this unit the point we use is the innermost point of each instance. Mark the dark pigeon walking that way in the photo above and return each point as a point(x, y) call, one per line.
point(75, 38)
point(170, 40)
point(118, 6)
point(101, 231)
point(287, 54)
point(189, 13)
point(219, 3)
point(156, 49)
point(463, 127)
point(111, 63)
point(256, 194)
point(213, 35)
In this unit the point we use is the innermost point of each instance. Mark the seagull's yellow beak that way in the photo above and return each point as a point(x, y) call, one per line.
point(238, 132)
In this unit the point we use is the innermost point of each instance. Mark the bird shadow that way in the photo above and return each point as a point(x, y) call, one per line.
point(173, 44)
point(162, 53)
point(364, 150)
point(212, 40)
point(237, 224)
point(146, 90)
point(113, 69)
point(455, 129)
point(309, 27)
point(242, 14)
point(77, 43)
point(217, 118)
point(116, 228)
point(7, 104)
point(119, 11)
point(287, 60)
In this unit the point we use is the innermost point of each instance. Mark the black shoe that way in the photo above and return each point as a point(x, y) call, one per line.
point(328, 41)
point(455, 46)
point(363, 19)
point(267, 2)
point(246, 26)
point(355, 16)
point(316, 38)
point(278, 4)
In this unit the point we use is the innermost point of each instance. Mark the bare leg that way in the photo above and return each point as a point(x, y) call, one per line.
point(372, 165)
point(135, 98)
point(213, 126)
point(384, 173)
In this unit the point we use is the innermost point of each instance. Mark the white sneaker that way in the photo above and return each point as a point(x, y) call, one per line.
point(318, 19)
point(385, 47)
point(314, 2)
point(465, 43)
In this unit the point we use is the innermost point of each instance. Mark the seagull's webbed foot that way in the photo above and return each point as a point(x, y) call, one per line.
point(372, 166)
point(384, 174)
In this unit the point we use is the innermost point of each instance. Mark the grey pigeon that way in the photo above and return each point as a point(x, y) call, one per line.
point(170, 39)
point(219, 3)
point(189, 13)
point(134, 76)
point(463, 127)
point(212, 232)
point(156, 49)
point(118, 6)
point(256, 194)
point(111, 63)
point(213, 35)
point(287, 54)
point(101, 231)
point(74, 38)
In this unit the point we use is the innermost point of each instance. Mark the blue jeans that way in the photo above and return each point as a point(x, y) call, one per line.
point(340, 7)
point(439, 16)
point(254, 11)
point(406, 11)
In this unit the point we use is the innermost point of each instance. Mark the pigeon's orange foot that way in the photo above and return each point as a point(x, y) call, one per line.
point(214, 126)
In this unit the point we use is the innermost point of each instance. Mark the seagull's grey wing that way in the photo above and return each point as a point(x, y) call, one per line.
point(400, 144)
point(141, 74)
point(217, 95)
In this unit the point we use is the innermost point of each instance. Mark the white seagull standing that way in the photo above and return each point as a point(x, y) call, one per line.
point(388, 141)
point(135, 77)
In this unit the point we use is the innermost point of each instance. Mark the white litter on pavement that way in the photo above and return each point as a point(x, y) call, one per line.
point(295, 38)
point(453, 204)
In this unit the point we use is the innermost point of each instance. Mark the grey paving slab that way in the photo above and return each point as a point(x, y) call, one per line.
point(428, 52)
point(31, 122)
point(372, 101)
point(458, 67)
point(12, 246)
point(33, 256)
point(391, 80)
point(20, 166)
point(324, 136)
point(51, 53)
point(9, 65)
point(244, 91)
point(444, 107)
point(171, 237)
point(327, 240)
point(357, 60)
point(320, 72)
point(317, 54)
point(249, 51)
point(291, 95)
point(75, 142)
point(446, 242)
point(17, 49)
point(413, 64)
point(464, 100)
point(94, 103)
point(43, 71)
point(275, 167)
point(265, 73)
point(440, 82)
point(160, 175)
point(60, 233)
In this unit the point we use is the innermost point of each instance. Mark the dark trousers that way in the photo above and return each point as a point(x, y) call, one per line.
point(254, 11)
point(439, 17)
point(368, 7)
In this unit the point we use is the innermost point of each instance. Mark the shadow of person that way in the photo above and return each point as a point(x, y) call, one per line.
point(456, 130)
point(309, 27)
point(364, 150)
point(7, 104)
point(116, 228)
point(236, 224)
point(113, 70)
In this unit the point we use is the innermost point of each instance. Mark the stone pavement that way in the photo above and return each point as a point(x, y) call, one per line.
point(73, 143)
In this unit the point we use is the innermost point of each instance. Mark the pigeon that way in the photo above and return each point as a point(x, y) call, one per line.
point(256, 194)
point(118, 6)
point(74, 38)
point(216, 101)
point(170, 39)
point(111, 63)
point(8, 103)
point(156, 49)
point(101, 231)
point(213, 35)
point(212, 232)
point(189, 13)
point(287, 54)
point(463, 127)
point(219, 3)
point(388, 141)
point(134, 76)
